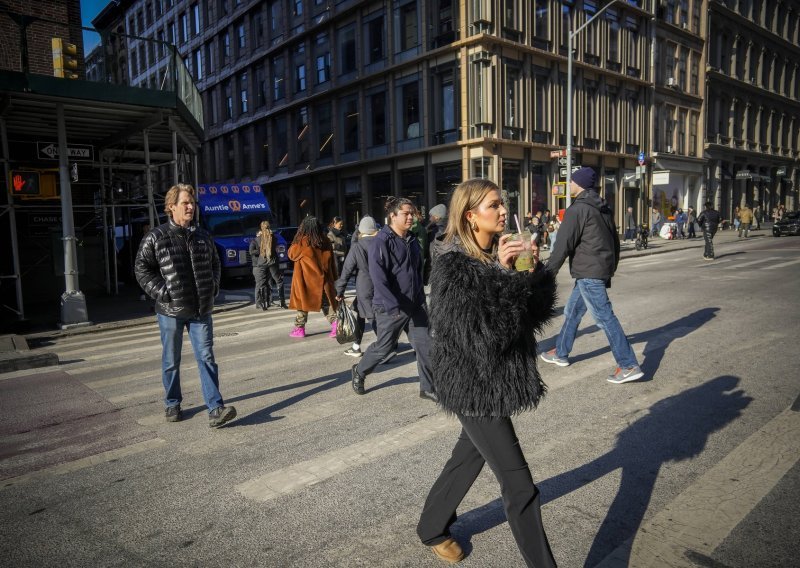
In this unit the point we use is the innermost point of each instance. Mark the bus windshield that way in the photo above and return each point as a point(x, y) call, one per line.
point(235, 224)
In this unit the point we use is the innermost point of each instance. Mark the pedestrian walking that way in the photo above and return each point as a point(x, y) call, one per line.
point(680, 221)
point(178, 267)
point(314, 276)
point(630, 225)
point(691, 219)
point(657, 222)
point(266, 271)
point(589, 239)
point(337, 237)
point(484, 362)
point(745, 220)
point(757, 215)
point(736, 220)
point(356, 264)
point(398, 302)
point(709, 220)
point(437, 221)
point(547, 221)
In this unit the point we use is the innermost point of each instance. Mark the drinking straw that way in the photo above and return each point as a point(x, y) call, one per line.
point(516, 220)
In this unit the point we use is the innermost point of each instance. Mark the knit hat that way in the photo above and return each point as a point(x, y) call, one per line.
point(438, 211)
point(585, 177)
point(367, 226)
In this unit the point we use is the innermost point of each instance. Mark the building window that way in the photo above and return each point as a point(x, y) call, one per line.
point(695, 74)
point(349, 121)
point(262, 146)
point(258, 30)
point(241, 38)
point(444, 107)
point(377, 106)
point(278, 75)
point(612, 16)
point(184, 27)
point(541, 105)
point(247, 151)
point(540, 23)
point(230, 156)
point(590, 32)
point(632, 25)
point(302, 135)
point(631, 125)
point(275, 21)
point(261, 86)
point(280, 136)
point(374, 40)
point(148, 14)
point(407, 26)
point(442, 23)
point(682, 132)
point(298, 7)
point(612, 124)
point(669, 124)
point(223, 7)
point(512, 101)
point(322, 112)
point(196, 19)
point(228, 100)
point(410, 127)
point(226, 47)
point(214, 106)
point(198, 64)
point(482, 100)
point(347, 49)
point(511, 25)
point(682, 68)
point(243, 92)
point(323, 58)
point(590, 130)
point(693, 134)
point(300, 78)
point(173, 39)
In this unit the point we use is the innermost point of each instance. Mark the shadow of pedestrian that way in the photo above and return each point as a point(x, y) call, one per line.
point(656, 340)
point(675, 429)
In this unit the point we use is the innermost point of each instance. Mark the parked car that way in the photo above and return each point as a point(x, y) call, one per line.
point(789, 225)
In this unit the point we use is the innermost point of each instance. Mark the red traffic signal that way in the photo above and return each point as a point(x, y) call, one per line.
point(25, 183)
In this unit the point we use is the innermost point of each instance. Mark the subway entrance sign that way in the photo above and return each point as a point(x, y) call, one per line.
point(25, 182)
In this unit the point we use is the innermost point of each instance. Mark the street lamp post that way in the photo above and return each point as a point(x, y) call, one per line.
point(570, 38)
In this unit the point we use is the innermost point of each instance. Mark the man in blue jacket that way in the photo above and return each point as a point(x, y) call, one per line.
point(395, 267)
point(588, 237)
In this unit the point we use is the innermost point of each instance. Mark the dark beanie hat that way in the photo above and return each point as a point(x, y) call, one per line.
point(585, 177)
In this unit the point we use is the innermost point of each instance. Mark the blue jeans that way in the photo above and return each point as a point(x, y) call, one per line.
point(201, 334)
point(591, 293)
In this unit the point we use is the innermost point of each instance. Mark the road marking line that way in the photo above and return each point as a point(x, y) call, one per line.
point(83, 463)
point(752, 262)
point(310, 472)
point(782, 265)
point(701, 517)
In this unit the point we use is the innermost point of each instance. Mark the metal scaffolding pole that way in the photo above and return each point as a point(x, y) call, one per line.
point(73, 302)
point(12, 223)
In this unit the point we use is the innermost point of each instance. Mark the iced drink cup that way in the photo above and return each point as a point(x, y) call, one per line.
point(524, 261)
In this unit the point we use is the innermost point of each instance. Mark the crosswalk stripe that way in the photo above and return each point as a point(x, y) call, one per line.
point(701, 517)
point(310, 472)
point(782, 265)
point(754, 262)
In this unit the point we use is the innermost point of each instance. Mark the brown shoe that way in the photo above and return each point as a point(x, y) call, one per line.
point(449, 551)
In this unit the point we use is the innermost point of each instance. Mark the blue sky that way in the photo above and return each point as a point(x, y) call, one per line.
point(90, 9)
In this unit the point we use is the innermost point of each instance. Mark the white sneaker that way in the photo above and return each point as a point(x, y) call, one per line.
point(353, 352)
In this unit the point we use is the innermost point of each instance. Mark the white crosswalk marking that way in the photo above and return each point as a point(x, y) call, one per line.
point(753, 262)
point(782, 265)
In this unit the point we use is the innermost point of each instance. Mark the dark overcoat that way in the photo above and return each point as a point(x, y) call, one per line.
point(357, 263)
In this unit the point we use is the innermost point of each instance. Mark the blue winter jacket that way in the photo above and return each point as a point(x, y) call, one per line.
point(395, 266)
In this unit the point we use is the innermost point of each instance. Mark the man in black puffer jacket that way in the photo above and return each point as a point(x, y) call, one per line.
point(588, 237)
point(177, 266)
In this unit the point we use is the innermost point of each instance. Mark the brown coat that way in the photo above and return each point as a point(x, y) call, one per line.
point(314, 274)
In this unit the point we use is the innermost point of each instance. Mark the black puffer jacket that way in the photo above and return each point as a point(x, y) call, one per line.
point(482, 320)
point(179, 268)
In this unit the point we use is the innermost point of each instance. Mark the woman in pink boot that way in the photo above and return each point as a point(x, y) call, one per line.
point(314, 276)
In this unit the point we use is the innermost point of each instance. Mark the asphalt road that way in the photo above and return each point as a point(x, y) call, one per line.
point(696, 465)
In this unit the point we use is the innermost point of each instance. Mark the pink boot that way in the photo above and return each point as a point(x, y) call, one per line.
point(298, 332)
point(333, 328)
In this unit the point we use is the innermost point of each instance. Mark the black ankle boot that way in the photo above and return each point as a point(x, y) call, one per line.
point(357, 380)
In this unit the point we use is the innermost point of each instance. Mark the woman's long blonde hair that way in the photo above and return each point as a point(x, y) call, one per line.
point(467, 196)
point(266, 241)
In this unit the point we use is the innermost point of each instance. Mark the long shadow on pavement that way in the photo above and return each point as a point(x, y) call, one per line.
point(675, 429)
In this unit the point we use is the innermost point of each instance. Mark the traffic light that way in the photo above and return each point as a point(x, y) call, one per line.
point(25, 183)
point(65, 59)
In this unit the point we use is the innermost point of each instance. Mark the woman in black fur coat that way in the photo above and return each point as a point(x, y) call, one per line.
point(483, 317)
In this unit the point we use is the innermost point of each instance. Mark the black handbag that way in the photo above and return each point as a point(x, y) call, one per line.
point(346, 322)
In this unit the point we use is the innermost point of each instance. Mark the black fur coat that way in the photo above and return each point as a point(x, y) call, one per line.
point(483, 319)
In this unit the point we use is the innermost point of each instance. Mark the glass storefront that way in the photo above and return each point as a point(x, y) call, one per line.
point(448, 176)
point(511, 189)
